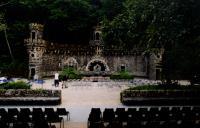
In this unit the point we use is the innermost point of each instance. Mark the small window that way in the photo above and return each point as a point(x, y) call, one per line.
point(71, 66)
point(97, 36)
point(32, 55)
point(33, 35)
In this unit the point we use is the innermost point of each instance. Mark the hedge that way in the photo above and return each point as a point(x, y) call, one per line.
point(71, 73)
point(122, 75)
point(15, 85)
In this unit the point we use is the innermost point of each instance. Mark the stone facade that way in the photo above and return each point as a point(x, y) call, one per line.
point(46, 58)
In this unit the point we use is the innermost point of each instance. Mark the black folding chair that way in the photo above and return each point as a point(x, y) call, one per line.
point(54, 118)
point(131, 112)
point(108, 115)
point(63, 112)
point(38, 117)
point(24, 117)
point(122, 115)
point(48, 111)
point(96, 111)
point(26, 111)
point(12, 115)
point(4, 118)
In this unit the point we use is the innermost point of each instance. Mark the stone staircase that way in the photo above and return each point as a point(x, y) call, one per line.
point(96, 79)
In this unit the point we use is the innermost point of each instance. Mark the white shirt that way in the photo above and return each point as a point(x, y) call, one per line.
point(56, 76)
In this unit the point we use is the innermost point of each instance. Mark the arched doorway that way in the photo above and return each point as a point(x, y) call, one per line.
point(71, 62)
point(32, 72)
point(97, 65)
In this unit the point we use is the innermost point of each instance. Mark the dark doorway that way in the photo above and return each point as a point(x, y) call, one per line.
point(123, 68)
point(32, 72)
point(97, 66)
point(97, 36)
point(158, 74)
point(33, 35)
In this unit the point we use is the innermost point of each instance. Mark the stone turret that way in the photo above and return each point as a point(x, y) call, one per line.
point(97, 40)
point(36, 31)
point(35, 47)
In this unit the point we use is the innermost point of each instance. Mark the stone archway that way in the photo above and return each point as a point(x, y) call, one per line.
point(71, 62)
point(97, 65)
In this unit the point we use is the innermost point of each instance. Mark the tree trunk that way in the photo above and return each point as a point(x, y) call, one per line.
point(10, 51)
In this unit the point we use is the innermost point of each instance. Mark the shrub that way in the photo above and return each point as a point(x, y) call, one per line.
point(163, 87)
point(29, 93)
point(71, 73)
point(122, 75)
point(16, 85)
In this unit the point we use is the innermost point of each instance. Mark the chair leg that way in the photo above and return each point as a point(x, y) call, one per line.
point(68, 116)
point(63, 123)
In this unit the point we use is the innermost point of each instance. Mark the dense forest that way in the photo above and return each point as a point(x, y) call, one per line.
point(170, 24)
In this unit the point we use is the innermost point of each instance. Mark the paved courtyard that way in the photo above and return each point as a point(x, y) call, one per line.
point(81, 96)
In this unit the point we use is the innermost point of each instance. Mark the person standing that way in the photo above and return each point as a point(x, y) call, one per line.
point(65, 78)
point(35, 78)
point(56, 79)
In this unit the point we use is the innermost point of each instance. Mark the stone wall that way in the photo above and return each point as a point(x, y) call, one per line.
point(136, 65)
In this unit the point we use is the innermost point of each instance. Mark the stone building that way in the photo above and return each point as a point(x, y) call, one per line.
point(46, 58)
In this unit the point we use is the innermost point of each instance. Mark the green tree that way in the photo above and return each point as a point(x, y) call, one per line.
point(172, 24)
point(3, 27)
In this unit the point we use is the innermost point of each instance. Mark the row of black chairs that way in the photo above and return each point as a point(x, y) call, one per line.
point(35, 118)
point(145, 117)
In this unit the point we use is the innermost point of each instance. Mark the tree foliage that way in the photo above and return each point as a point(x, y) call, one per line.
point(170, 24)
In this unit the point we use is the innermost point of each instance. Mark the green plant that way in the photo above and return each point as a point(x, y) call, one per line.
point(122, 75)
point(71, 73)
point(161, 87)
point(16, 85)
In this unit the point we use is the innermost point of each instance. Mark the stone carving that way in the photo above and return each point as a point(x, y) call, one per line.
point(97, 68)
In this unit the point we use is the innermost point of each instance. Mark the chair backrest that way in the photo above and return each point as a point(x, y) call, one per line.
point(37, 110)
point(26, 111)
point(164, 109)
point(96, 110)
point(62, 111)
point(154, 109)
point(24, 117)
point(108, 114)
point(197, 109)
point(53, 117)
point(49, 111)
point(175, 109)
point(131, 111)
point(13, 111)
point(119, 110)
point(38, 114)
point(3, 112)
point(143, 109)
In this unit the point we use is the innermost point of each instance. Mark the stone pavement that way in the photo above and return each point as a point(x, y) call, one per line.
point(81, 96)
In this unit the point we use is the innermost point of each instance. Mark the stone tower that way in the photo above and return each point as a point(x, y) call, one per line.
point(35, 48)
point(97, 40)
